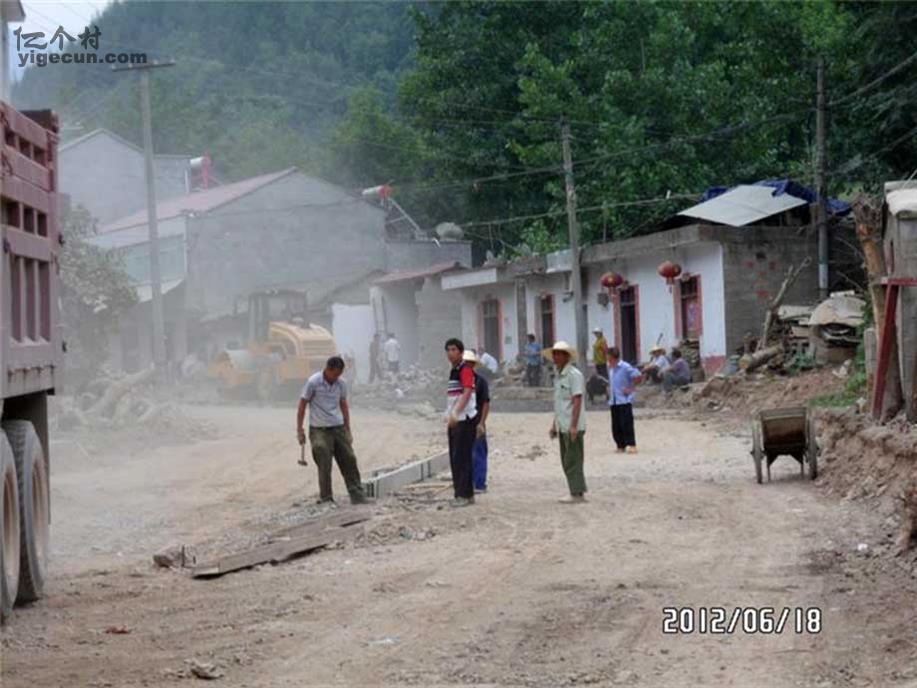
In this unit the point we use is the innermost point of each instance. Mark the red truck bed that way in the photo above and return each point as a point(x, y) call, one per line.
point(30, 345)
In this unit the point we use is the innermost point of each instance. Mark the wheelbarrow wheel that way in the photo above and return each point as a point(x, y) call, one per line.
point(811, 449)
point(757, 450)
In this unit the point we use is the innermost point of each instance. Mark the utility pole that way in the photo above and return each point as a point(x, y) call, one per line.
point(821, 180)
point(576, 275)
point(159, 335)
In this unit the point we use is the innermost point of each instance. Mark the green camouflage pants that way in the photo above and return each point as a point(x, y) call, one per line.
point(335, 444)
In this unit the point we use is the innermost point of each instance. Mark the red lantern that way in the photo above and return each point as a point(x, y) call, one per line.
point(612, 280)
point(670, 271)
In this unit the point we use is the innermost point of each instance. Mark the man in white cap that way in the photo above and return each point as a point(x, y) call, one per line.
point(569, 419)
point(482, 400)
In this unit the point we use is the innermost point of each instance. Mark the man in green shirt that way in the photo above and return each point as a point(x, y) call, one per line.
point(569, 419)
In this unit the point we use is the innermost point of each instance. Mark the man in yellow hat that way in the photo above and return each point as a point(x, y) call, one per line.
point(569, 419)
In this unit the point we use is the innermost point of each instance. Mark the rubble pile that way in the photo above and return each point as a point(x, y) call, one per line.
point(745, 393)
point(793, 324)
point(513, 375)
point(414, 385)
point(125, 403)
point(862, 460)
point(833, 327)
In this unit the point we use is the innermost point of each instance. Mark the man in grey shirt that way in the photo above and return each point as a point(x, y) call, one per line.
point(325, 393)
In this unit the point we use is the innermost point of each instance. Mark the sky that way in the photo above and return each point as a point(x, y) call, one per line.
point(47, 15)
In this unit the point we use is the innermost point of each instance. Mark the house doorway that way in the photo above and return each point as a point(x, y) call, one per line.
point(490, 315)
point(546, 315)
point(689, 295)
point(627, 316)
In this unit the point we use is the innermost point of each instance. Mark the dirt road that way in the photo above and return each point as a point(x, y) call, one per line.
point(518, 590)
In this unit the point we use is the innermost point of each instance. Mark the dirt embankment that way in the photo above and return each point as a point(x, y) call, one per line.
point(876, 463)
point(745, 395)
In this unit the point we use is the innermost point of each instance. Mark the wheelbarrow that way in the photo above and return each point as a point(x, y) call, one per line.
point(784, 431)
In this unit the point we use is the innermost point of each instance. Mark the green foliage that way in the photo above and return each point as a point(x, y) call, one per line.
point(458, 104)
point(257, 85)
point(95, 290)
point(800, 363)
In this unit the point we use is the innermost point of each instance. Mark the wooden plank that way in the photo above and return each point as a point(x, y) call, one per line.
point(886, 338)
point(334, 520)
point(310, 537)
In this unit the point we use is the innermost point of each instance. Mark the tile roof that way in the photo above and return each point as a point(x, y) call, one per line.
point(420, 273)
point(198, 202)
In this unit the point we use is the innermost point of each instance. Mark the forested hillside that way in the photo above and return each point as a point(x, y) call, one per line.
point(458, 105)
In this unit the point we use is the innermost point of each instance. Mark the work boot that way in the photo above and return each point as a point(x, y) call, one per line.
point(360, 498)
point(461, 501)
point(326, 500)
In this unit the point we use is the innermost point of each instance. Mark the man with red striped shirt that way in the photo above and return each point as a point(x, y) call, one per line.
point(460, 413)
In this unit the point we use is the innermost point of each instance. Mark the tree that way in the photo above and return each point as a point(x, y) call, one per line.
point(95, 291)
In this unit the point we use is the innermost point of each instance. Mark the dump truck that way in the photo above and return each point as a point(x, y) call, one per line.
point(31, 349)
point(282, 350)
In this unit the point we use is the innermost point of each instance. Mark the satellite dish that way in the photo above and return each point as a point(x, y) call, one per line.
point(449, 230)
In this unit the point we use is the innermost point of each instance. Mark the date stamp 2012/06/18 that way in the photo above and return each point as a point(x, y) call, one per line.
point(748, 620)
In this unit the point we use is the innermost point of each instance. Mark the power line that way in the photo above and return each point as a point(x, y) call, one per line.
point(875, 82)
point(557, 213)
point(727, 130)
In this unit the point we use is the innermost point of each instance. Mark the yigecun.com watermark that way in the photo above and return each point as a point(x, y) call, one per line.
point(33, 49)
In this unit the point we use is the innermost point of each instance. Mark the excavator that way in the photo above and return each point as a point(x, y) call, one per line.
point(282, 350)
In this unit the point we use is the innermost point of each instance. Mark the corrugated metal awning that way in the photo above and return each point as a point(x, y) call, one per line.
point(743, 205)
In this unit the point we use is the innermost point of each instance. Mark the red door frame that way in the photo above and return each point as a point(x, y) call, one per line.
point(679, 319)
point(540, 313)
point(481, 337)
point(617, 313)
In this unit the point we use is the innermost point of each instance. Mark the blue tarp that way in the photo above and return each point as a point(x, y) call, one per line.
point(786, 186)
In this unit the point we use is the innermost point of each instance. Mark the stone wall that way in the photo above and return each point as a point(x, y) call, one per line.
point(755, 261)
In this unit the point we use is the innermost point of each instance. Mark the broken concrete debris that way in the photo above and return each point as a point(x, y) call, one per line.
point(204, 670)
point(175, 557)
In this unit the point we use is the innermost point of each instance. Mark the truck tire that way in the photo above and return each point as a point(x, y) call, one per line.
point(34, 511)
point(9, 530)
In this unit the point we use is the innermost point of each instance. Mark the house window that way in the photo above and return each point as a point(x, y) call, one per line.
point(690, 308)
point(490, 317)
point(546, 313)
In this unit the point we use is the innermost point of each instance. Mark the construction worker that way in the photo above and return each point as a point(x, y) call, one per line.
point(569, 419)
point(325, 393)
point(460, 413)
point(678, 374)
point(659, 363)
point(624, 379)
point(392, 354)
point(482, 399)
point(599, 351)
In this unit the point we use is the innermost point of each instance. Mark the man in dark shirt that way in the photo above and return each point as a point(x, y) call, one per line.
point(678, 374)
point(482, 397)
point(460, 413)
